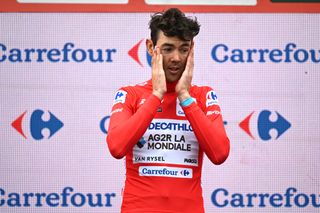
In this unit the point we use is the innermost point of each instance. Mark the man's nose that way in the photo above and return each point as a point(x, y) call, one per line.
point(176, 57)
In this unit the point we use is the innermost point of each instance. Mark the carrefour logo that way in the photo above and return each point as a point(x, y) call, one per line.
point(37, 124)
point(290, 198)
point(184, 172)
point(164, 171)
point(68, 53)
point(265, 125)
point(67, 197)
point(289, 53)
point(135, 54)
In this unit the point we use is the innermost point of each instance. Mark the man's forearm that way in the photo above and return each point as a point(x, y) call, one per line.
point(211, 134)
point(127, 132)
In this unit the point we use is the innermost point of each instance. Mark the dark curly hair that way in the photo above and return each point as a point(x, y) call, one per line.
point(173, 23)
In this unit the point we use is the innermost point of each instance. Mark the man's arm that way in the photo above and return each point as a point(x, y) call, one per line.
point(209, 130)
point(126, 128)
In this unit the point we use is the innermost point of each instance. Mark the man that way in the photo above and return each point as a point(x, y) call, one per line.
point(163, 126)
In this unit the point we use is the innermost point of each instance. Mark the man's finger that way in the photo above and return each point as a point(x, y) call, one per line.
point(160, 60)
point(189, 65)
point(191, 61)
point(154, 57)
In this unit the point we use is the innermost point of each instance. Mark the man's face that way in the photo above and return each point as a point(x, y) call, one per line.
point(175, 53)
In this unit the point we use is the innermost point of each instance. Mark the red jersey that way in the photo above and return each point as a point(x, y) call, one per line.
point(164, 145)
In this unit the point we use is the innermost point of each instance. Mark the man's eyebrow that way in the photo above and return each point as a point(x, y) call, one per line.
point(167, 44)
point(171, 45)
point(185, 45)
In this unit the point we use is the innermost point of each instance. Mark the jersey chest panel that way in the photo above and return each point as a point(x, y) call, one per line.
point(168, 141)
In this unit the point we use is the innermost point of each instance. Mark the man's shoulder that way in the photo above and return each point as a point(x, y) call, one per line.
point(145, 84)
point(200, 89)
point(136, 87)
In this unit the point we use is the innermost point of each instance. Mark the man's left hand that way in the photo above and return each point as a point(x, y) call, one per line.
point(183, 85)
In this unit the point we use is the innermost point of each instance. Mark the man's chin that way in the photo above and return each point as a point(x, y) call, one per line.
point(172, 78)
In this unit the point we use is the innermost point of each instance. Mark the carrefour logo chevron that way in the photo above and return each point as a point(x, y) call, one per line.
point(265, 125)
point(134, 53)
point(37, 124)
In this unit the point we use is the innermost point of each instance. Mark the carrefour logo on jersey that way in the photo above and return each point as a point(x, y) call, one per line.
point(288, 53)
point(36, 124)
point(164, 171)
point(264, 125)
point(211, 98)
point(68, 52)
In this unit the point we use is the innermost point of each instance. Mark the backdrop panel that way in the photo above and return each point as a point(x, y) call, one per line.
point(58, 77)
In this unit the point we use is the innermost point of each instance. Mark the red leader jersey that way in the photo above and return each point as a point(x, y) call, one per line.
point(164, 144)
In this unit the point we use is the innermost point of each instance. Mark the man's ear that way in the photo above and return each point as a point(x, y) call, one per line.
point(150, 46)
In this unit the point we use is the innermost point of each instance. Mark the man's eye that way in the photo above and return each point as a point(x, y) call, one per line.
point(166, 50)
point(185, 50)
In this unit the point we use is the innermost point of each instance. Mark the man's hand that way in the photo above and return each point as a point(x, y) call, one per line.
point(183, 85)
point(159, 87)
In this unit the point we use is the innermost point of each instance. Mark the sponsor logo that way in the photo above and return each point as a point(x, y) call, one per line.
point(68, 53)
point(120, 97)
point(175, 126)
point(175, 145)
point(134, 54)
point(222, 53)
point(66, 198)
point(211, 98)
point(145, 159)
point(185, 172)
point(169, 141)
point(165, 141)
point(37, 124)
point(163, 171)
point(116, 110)
point(191, 160)
point(141, 142)
point(104, 123)
point(265, 125)
point(222, 198)
point(215, 112)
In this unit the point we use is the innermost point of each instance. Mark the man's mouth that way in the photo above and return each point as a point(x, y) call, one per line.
point(173, 70)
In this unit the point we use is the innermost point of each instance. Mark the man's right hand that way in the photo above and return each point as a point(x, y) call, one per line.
point(159, 87)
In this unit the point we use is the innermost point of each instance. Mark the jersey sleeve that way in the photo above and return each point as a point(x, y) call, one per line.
point(206, 121)
point(128, 124)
